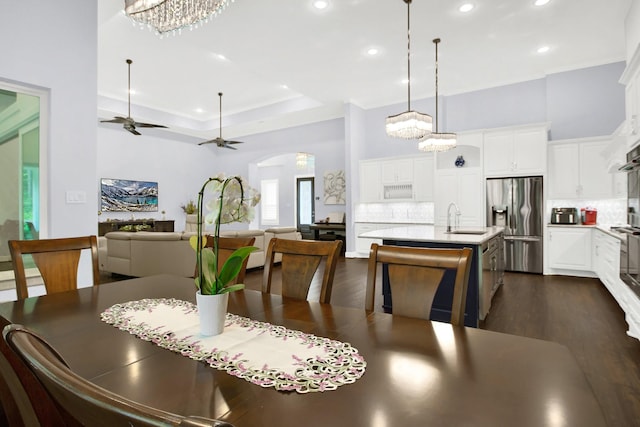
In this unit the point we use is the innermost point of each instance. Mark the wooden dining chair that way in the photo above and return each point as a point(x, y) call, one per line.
point(57, 260)
point(300, 261)
point(415, 275)
point(80, 401)
point(226, 246)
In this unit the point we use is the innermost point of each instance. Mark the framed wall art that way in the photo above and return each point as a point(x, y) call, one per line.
point(334, 188)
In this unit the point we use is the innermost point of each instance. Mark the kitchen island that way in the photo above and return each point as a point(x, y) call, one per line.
point(487, 265)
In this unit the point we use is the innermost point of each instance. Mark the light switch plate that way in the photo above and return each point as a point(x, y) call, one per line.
point(76, 196)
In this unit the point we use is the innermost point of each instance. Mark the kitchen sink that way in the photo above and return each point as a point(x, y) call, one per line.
point(466, 232)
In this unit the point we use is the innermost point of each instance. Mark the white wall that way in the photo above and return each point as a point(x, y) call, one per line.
point(180, 168)
point(52, 46)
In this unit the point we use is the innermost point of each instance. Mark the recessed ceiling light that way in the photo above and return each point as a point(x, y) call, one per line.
point(540, 2)
point(543, 49)
point(466, 7)
point(199, 110)
point(372, 51)
point(405, 81)
point(284, 86)
point(221, 57)
point(132, 91)
point(320, 4)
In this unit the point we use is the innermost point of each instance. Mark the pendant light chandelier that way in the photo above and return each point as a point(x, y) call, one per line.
point(410, 124)
point(173, 15)
point(437, 141)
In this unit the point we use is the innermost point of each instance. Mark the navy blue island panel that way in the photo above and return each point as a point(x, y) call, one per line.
point(441, 308)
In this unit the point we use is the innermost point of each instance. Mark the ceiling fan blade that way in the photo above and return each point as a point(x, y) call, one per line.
point(233, 142)
point(148, 125)
point(116, 119)
point(211, 141)
point(229, 147)
point(132, 129)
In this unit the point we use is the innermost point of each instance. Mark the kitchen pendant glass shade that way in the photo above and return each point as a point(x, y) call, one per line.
point(173, 15)
point(437, 141)
point(410, 124)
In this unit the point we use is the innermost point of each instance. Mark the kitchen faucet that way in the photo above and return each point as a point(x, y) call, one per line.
point(449, 215)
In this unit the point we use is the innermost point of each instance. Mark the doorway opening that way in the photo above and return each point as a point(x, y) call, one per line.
point(305, 206)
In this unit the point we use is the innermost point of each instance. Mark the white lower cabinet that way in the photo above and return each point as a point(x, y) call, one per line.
point(569, 248)
point(606, 260)
point(363, 244)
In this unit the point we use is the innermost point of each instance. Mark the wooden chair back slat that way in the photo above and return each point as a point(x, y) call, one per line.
point(300, 261)
point(415, 274)
point(56, 259)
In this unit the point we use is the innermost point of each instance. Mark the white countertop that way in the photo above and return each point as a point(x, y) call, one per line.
point(431, 233)
point(602, 227)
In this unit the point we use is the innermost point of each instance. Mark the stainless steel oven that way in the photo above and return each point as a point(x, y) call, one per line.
point(630, 256)
point(632, 167)
point(630, 247)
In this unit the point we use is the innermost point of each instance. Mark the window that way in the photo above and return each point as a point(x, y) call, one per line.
point(269, 202)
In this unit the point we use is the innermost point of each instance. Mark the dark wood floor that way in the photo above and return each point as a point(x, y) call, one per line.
point(576, 312)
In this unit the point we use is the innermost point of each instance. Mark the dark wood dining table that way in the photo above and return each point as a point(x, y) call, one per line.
point(418, 372)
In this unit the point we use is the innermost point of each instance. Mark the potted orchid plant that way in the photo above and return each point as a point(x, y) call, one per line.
point(233, 201)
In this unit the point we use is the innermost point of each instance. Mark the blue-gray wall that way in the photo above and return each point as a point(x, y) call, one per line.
point(579, 103)
point(587, 102)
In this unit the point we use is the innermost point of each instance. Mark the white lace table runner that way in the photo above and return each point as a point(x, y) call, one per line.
point(259, 352)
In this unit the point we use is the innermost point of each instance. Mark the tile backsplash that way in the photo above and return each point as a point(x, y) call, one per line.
point(401, 213)
point(610, 211)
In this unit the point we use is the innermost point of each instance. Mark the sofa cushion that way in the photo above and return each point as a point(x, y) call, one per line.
point(151, 235)
point(281, 230)
point(249, 233)
point(162, 256)
point(147, 253)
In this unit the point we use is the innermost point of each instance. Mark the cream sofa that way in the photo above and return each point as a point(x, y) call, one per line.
point(145, 253)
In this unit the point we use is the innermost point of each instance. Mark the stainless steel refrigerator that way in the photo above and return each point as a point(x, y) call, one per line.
point(516, 204)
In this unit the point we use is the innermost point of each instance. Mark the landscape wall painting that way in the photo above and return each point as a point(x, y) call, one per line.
point(121, 195)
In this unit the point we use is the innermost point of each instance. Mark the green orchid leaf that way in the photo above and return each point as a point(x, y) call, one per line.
point(193, 241)
point(233, 265)
point(208, 271)
point(232, 288)
point(230, 270)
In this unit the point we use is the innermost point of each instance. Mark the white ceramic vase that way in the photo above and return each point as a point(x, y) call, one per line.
point(212, 310)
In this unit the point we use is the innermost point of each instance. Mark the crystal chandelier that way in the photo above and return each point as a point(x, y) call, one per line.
point(302, 160)
point(173, 15)
point(437, 141)
point(410, 124)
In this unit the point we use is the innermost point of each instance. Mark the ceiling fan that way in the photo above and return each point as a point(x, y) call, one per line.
point(219, 141)
point(127, 122)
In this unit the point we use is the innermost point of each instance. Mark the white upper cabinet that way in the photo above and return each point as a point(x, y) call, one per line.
point(631, 79)
point(397, 171)
point(579, 170)
point(518, 151)
point(397, 179)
